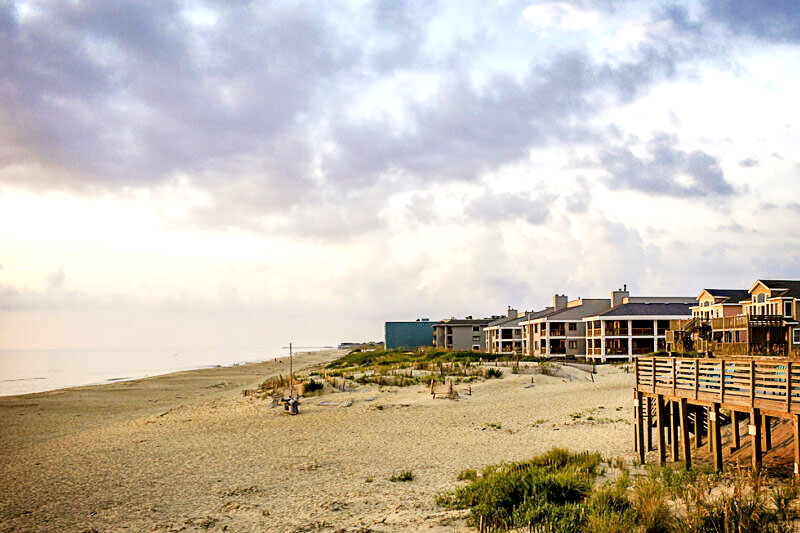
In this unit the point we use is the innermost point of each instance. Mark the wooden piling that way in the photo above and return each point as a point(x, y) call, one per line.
point(796, 444)
point(766, 425)
point(639, 427)
point(684, 416)
point(674, 421)
point(755, 438)
point(662, 452)
point(699, 412)
point(716, 437)
point(649, 434)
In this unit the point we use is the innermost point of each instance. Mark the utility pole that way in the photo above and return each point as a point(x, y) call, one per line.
point(291, 373)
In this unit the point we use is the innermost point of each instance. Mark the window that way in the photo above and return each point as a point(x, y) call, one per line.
point(572, 345)
point(572, 326)
point(762, 298)
point(476, 347)
point(476, 328)
point(705, 304)
point(787, 308)
point(795, 335)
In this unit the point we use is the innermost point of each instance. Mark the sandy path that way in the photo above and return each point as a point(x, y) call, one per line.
point(223, 462)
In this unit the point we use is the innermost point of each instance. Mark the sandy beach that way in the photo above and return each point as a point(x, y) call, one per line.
point(188, 452)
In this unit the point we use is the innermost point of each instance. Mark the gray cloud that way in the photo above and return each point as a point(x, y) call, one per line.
point(129, 93)
point(750, 162)
point(492, 207)
point(255, 109)
point(774, 20)
point(665, 169)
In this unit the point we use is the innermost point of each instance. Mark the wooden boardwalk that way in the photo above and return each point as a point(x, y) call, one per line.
point(672, 394)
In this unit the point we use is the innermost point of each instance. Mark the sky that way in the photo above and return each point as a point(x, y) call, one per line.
point(238, 174)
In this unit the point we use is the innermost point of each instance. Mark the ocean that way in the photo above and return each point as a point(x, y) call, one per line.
point(25, 371)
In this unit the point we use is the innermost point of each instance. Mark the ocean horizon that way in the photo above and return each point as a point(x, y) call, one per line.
point(29, 371)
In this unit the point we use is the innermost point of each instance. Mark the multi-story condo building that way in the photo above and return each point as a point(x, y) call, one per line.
point(637, 326)
point(559, 332)
point(461, 334)
point(504, 335)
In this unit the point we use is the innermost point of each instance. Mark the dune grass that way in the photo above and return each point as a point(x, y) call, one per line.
point(556, 492)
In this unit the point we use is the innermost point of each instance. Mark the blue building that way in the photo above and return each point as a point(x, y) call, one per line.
point(409, 334)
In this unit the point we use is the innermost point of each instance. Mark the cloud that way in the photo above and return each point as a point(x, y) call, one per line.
point(497, 207)
point(665, 169)
point(750, 162)
point(772, 20)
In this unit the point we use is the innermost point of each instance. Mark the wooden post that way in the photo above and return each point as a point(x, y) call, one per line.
point(674, 383)
point(698, 426)
point(667, 420)
point(737, 443)
point(722, 381)
point(796, 444)
point(662, 452)
point(716, 438)
point(684, 415)
point(649, 434)
point(675, 420)
point(696, 378)
point(752, 383)
point(709, 414)
point(766, 423)
point(639, 427)
point(755, 437)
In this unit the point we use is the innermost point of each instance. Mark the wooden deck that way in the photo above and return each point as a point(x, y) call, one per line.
point(670, 391)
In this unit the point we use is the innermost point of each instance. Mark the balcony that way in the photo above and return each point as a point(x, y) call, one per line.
point(746, 321)
point(642, 332)
point(616, 332)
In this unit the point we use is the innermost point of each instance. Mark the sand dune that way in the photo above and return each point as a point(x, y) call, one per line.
point(188, 452)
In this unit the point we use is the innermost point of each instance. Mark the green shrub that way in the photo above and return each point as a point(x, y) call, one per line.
point(403, 475)
point(467, 475)
point(494, 373)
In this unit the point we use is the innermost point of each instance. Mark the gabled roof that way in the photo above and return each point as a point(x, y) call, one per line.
point(782, 287)
point(727, 295)
point(654, 309)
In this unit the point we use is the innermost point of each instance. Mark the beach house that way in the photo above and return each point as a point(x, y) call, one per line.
point(462, 334)
point(559, 332)
point(715, 303)
point(766, 324)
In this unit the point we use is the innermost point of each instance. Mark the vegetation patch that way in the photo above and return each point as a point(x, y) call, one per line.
point(556, 492)
point(403, 475)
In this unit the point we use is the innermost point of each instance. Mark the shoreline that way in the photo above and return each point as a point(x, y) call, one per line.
point(52, 370)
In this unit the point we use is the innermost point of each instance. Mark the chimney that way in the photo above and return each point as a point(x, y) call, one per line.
point(512, 313)
point(559, 302)
point(468, 317)
point(618, 295)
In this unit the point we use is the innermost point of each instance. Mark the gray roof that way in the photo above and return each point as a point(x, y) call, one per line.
point(507, 322)
point(792, 287)
point(463, 322)
point(653, 309)
point(734, 295)
point(589, 307)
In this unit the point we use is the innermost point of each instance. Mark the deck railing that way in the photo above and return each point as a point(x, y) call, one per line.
point(745, 321)
point(766, 383)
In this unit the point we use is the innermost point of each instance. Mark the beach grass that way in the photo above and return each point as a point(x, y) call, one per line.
point(557, 492)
